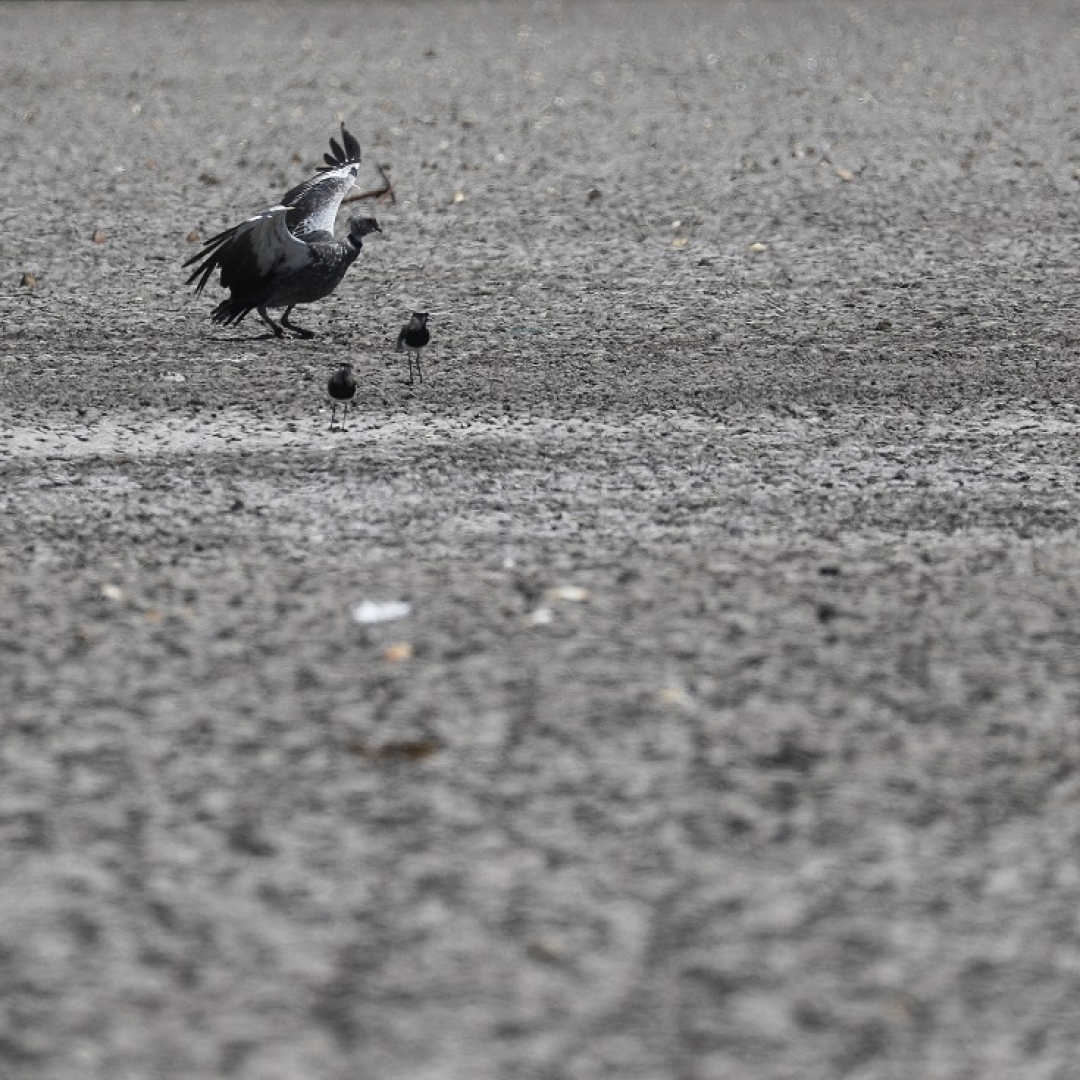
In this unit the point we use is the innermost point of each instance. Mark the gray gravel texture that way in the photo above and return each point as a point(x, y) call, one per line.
point(733, 728)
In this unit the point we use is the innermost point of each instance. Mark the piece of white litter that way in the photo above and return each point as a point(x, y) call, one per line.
point(174, 377)
point(377, 611)
point(540, 616)
point(572, 594)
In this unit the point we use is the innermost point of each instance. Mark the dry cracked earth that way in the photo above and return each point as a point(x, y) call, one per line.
point(731, 726)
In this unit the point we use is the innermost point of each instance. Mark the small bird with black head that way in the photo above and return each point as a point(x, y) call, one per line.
point(413, 337)
point(341, 387)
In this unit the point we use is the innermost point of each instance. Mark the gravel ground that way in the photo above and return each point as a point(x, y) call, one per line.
point(732, 730)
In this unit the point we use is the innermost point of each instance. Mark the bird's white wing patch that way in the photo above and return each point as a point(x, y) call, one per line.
point(316, 202)
point(273, 246)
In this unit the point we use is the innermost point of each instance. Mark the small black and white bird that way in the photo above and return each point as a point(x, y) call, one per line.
point(287, 255)
point(413, 337)
point(341, 387)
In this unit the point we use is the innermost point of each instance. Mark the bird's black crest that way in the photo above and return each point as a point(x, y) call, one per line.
point(347, 155)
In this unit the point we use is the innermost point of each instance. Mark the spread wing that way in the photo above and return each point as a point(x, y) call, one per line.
point(310, 210)
point(316, 201)
point(249, 253)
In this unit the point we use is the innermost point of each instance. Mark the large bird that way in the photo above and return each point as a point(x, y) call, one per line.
point(287, 255)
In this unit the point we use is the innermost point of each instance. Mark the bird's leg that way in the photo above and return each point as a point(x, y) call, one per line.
point(333, 414)
point(344, 414)
point(408, 353)
point(419, 369)
point(278, 332)
point(298, 330)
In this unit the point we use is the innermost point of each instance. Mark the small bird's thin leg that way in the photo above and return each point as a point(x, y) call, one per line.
point(333, 414)
point(298, 330)
point(419, 369)
point(408, 353)
point(344, 414)
point(278, 332)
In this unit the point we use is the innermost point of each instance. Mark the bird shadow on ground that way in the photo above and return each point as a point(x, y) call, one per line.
point(257, 337)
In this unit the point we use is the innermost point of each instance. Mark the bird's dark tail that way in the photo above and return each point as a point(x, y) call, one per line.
point(229, 312)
